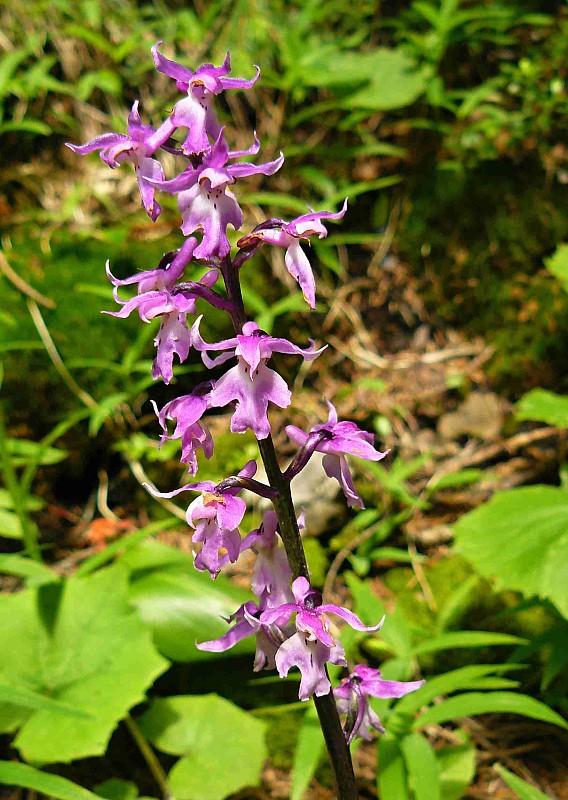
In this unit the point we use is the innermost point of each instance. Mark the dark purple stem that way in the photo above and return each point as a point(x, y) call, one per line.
point(204, 292)
point(326, 707)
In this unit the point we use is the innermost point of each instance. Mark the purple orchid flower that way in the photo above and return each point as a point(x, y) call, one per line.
point(204, 199)
point(340, 438)
point(310, 614)
point(136, 147)
point(215, 515)
point(312, 646)
point(194, 112)
point(247, 623)
point(159, 296)
point(251, 383)
point(353, 699)
point(289, 235)
point(187, 412)
point(271, 573)
point(155, 287)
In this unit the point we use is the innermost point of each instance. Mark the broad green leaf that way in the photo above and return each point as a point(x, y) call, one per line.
point(80, 643)
point(117, 789)
point(392, 778)
point(525, 790)
point(422, 767)
point(381, 79)
point(544, 406)
point(14, 774)
point(309, 747)
point(472, 703)
point(181, 606)
point(520, 537)
point(125, 545)
point(395, 82)
point(457, 768)
point(558, 264)
point(223, 747)
point(459, 639)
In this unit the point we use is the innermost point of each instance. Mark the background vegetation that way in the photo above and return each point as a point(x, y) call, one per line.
point(443, 295)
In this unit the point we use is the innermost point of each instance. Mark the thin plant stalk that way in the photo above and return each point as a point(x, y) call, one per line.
point(29, 531)
point(149, 757)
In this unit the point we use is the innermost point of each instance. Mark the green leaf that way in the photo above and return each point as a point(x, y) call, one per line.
point(223, 747)
point(23, 451)
point(26, 698)
point(472, 703)
point(382, 79)
point(395, 632)
point(125, 545)
point(105, 409)
point(33, 571)
point(558, 264)
point(463, 477)
point(392, 778)
point(80, 643)
point(460, 639)
point(452, 681)
point(13, 774)
point(181, 606)
point(117, 789)
point(422, 767)
point(309, 747)
point(544, 406)
point(26, 126)
point(395, 82)
point(457, 768)
point(526, 791)
point(521, 538)
point(395, 554)
point(31, 503)
point(10, 525)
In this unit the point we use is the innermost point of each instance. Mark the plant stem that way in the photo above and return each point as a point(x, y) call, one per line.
point(29, 530)
point(149, 757)
point(337, 747)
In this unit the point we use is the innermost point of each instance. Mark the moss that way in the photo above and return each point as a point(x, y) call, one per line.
point(281, 738)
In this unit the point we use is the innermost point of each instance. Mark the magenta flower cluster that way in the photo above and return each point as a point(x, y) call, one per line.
point(289, 619)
